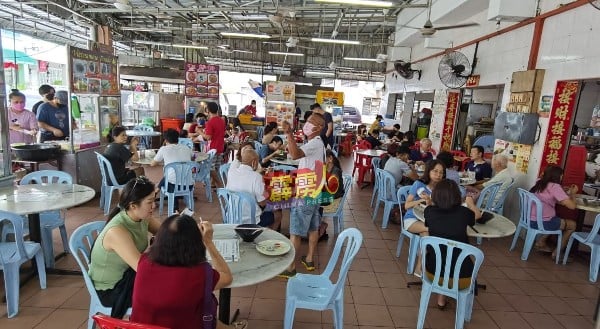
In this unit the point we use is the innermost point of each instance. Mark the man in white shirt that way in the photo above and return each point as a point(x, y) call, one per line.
point(503, 175)
point(397, 164)
point(172, 152)
point(305, 220)
point(244, 178)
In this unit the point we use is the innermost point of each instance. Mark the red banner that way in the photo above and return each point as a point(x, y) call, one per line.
point(448, 132)
point(560, 123)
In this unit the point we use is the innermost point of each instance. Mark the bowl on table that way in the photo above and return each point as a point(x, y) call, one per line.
point(248, 232)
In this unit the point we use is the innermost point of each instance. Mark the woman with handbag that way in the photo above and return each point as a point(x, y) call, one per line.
point(174, 282)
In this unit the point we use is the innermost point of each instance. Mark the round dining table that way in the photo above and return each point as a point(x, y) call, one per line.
point(252, 267)
point(142, 133)
point(286, 161)
point(200, 156)
point(371, 153)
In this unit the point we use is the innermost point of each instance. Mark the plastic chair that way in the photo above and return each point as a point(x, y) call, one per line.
point(362, 163)
point(187, 142)
point(387, 194)
point(146, 140)
point(258, 145)
point(375, 163)
point(109, 183)
point(49, 220)
point(441, 283)
point(318, 292)
point(487, 196)
point(81, 243)
point(527, 201)
point(232, 206)
point(106, 322)
point(183, 185)
point(284, 168)
point(592, 240)
point(498, 206)
point(338, 216)
point(12, 255)
point(260, 132)
point(203, 173)
point(413, 243)
point(223, 170)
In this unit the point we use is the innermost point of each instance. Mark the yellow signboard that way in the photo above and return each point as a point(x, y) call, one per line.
point(326, 97)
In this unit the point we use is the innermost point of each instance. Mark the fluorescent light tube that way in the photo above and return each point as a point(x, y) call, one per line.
point(153, 43)
point(342, 42)
point(246, 35)
point(361, 2)
point(189, 46)
point(285, 54)
point(359, 59)
point(331, 74)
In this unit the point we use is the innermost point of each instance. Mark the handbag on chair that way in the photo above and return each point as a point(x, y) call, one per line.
point(209, 311)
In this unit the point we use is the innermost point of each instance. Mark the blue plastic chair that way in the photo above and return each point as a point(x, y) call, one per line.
point(375, 163)
point(413, 239)
point(203, 173)
point(187, 142)
point(223, 170)
point(145, 140)
point(592, 240)
point(284, 168)
point(338, 216)
point(183, 184)
point(318, 292)
point(232, 206)
point(12, 255)
point(387, 194)
point(258, 145)
point(80, 243)
point(527, 201)
point(498, 206)
point(486, 200)
point(109, 183)
point(441, 283)
point(49, 220)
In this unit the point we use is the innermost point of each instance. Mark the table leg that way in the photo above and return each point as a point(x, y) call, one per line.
point(224, 306)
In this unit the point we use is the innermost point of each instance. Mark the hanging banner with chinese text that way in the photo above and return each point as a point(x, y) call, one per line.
point(560, 122)
point(448, 131)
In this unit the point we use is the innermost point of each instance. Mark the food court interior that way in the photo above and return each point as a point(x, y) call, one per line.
point(519, 78)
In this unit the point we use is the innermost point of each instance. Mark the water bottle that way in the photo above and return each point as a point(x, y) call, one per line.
point(142, 150)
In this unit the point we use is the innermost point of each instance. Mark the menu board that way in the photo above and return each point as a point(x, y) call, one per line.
point(280, 101)
point(202, 80)
point(93, 72)
point(278, 91)
point(326, 97)
point(278, 112)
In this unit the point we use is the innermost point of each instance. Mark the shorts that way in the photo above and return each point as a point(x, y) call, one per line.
point(553, 224)
point(407, 222)
point(267, 218)
point(217, 161)
point(304, 219)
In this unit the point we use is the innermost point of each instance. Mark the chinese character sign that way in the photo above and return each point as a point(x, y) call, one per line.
point(448, 131)
point(560, 121)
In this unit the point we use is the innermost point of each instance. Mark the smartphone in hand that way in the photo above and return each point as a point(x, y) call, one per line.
point(187, 212)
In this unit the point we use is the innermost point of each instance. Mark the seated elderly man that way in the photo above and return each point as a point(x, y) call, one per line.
point(249, 181)
point(503, 175)
point(423, 154)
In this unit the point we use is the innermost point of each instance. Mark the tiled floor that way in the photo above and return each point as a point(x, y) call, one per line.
point(532, 294)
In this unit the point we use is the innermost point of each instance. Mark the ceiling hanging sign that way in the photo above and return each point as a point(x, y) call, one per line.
point(281, 98)
point(473, 81)
point(327, 97)
point(202, 81)
point(559, 125)
point(93, 72)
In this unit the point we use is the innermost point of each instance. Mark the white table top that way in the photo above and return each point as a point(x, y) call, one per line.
point(497, 227)
point(36, 198)
point(371, 153)
point(200, 156)
point(287, 161)
point(139, 133)
point(254, 267)
point(587, 203)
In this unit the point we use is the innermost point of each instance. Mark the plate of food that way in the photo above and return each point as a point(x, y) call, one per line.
point(213, 78)
point(201, 78)
point(273, 247)
point(213, 90)
point(190, 90)
point(190, 76)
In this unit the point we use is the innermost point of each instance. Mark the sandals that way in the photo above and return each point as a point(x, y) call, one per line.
point(310, 266)
point(240, 325)
point(287, 274)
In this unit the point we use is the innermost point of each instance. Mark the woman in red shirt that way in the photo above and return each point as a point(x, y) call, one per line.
point(170, 282)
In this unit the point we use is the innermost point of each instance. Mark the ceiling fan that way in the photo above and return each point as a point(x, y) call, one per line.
point(123, 5)
point(428, 29)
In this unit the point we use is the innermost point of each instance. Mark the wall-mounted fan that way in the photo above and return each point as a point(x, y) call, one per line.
point(428, 29)
point(454, 69)
point(404, 70)
point(595, 3)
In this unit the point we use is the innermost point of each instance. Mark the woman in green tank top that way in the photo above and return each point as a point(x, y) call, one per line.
point(118, 248)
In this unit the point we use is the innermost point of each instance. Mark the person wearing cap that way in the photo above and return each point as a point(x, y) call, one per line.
point(53, 117)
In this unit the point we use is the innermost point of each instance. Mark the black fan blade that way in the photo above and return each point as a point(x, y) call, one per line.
point(458, 26)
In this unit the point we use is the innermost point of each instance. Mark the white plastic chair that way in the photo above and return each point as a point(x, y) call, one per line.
point(182, 186)
point(12, 255)
point(109, 182)
point(441, 283)
point(318, 292)
point(592, 240)
point(81, 243)
point(338, 216)
point(413, 244)
point(527, 201)
point(145, 140)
